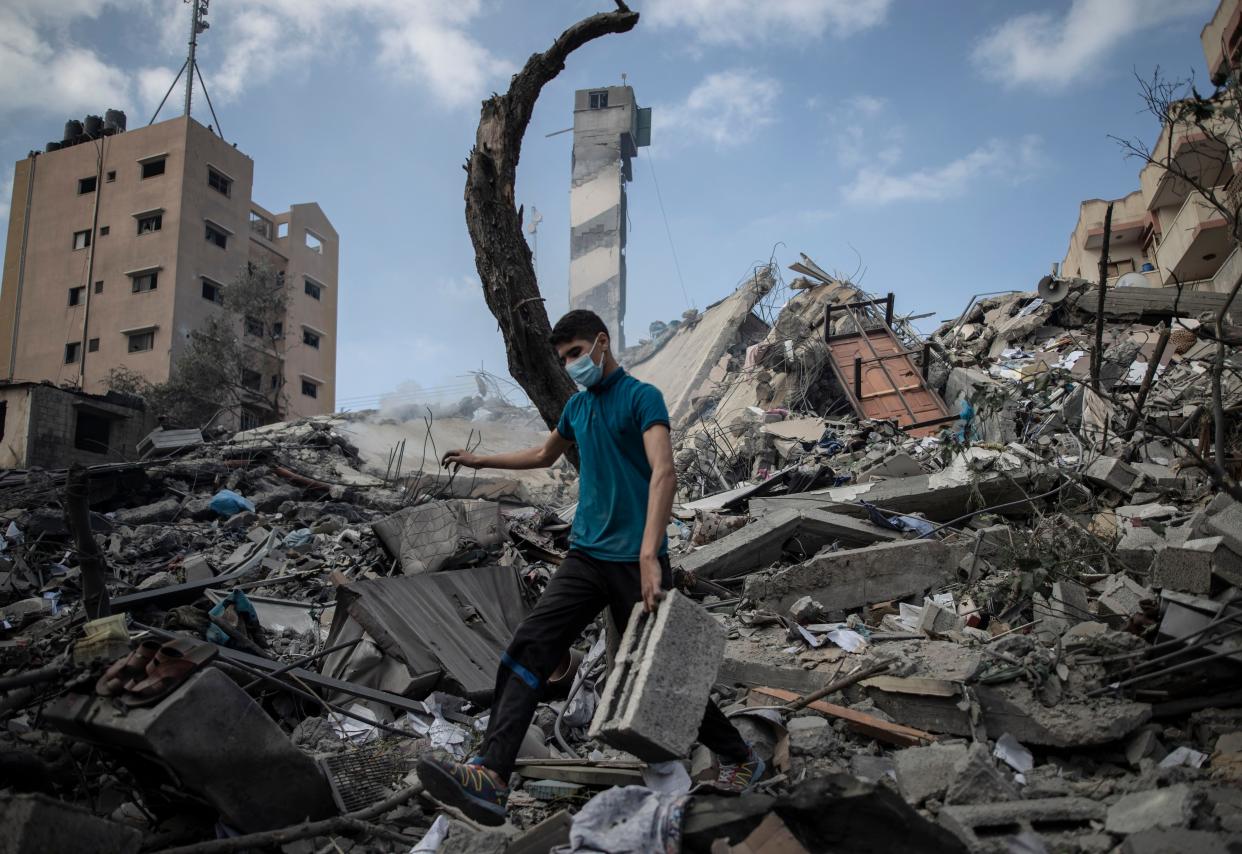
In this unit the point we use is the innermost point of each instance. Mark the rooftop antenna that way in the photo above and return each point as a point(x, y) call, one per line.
point(198, 24)
point(532, 228)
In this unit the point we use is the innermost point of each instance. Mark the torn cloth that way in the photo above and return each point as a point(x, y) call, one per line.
point(627, 820)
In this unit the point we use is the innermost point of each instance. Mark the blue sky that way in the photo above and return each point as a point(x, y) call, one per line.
point(946, 144)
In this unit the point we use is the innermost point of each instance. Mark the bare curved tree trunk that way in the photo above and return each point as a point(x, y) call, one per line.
point(500, 252)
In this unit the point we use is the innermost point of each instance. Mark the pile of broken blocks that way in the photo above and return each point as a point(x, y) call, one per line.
point(1028, 618)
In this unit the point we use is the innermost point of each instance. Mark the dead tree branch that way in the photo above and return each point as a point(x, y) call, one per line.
point(502, 255)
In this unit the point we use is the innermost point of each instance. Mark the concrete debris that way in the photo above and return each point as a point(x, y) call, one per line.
point(1046, 584)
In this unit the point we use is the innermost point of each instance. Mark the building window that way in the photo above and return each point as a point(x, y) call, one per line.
point(87, 185)
point(599, 100)
point(313, 290)
point(310, 389)
point(313, 243)
point(150, 223)
point(4, 410)
point(216, 236)
point(144, 282)
point(249, 420)
point(275, 382)
point(111, 176)
point(252, 380)
point(73, 351)
point(261, 225)
point(219, 182)
point(140, 342)
point(99, 287)
point(310, 339)
point(278, 329)
point(254, 327)
point(151, 168)
point(213, 292)
point(92, 432)
point(92, 346)
point(104, 230)
point(81, 239)
point(76, 294)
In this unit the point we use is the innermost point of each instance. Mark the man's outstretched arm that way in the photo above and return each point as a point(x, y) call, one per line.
point(659, 448)
point(531, 458)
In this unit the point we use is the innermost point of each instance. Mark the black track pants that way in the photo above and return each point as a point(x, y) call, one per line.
point(580, 589)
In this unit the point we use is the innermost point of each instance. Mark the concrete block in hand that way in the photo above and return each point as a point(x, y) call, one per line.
point(661, 680)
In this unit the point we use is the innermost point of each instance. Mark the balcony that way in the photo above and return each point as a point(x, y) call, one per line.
point(1195, 155)
point(1195, 244)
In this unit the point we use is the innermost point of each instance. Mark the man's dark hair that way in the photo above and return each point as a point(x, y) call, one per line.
point(577, 324)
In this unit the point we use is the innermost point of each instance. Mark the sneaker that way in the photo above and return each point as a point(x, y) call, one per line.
point(469, 786)
point(738, 777)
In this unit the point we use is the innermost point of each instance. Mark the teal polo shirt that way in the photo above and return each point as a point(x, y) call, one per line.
point(607, 422)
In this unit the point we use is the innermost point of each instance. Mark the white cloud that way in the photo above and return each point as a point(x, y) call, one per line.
point(1051, 51)
point(725, 109)
point(249, 43)
point(1010, 161)
point(40, 74)
point(6, 197)
point(745, 22)
point(864, 131)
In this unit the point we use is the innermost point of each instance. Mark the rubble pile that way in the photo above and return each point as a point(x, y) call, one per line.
point(1012, 624)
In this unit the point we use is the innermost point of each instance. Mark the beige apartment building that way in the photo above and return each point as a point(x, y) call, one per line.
point(118, 243)
point(1165, 230)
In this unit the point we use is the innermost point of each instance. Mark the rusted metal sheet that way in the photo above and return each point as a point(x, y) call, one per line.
point(882, 381)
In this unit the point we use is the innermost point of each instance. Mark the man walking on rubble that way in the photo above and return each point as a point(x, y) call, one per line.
point(618, 556)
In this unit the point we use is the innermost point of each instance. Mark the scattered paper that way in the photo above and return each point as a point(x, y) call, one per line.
point(667, 778)
point(1010, 751)
point(1184, 756)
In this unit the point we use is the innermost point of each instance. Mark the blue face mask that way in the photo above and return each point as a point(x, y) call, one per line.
point(583, 370)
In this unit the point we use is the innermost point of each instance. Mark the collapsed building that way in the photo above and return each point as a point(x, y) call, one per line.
point(968, 600)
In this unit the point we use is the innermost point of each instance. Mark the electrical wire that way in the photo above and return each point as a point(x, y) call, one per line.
point(669, 231)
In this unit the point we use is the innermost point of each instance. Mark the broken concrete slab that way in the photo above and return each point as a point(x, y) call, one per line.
point(925, 772)
point(682, 367)
point(654, 699)
point(158, 513)
point(982, 827)
point(426, 537)
point(810, 735)
point(977, 780)
point(38, 824)
point(1180, 841)
point(256, 777)
point(1226, 521)
point(1172, 806)
point(941, 497)
point(763, 541)
point(851, 579)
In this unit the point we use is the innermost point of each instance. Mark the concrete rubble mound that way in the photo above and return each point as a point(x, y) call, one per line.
point(968, 598)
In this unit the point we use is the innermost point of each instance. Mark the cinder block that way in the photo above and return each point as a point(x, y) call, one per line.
point(659, 686)
point(1226, 521)
point(217, 741)
point(981, 826)
point(1113, 473)
point(1187, 567)
point(1138, 547)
